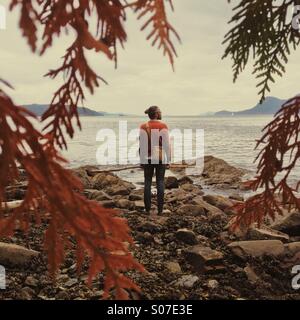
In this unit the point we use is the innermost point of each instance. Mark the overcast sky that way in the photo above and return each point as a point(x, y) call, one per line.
point(201, 83)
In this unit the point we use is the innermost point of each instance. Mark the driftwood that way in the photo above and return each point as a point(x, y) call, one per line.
point(11, 205)
point(172, 166)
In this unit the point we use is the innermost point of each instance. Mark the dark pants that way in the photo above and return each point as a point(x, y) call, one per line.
point(160, 170)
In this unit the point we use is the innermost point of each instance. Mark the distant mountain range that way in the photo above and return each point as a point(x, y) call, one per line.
point(39, 109)
point(269, 107)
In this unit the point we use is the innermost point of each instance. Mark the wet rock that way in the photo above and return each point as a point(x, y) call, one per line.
point(15, 256)
point(186, 236)
point(257, 248)
point(289, 224)
point(171, 183)
point(189, 209)
point(220, 202)
point(201, 257)
point(173, 267)
point(266, 233)
point(187, 281)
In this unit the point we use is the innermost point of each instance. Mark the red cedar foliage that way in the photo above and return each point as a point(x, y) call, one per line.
point(263, 33)
point(53, 192)
point(278, 158)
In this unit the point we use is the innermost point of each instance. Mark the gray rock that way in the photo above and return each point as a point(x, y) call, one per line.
point(209, 209)
point(185, 180)
point(149, 226)
point(139, 205)
point(290, 224)
point(107, 204)
point(135, 197)
point(98, 195)
point(194, 210)
point(266, 233)
point(118, 190)
point(84, 178)
point(292, 248)
point(220, 202)
point(124, 204)
point(186, 236)
point(173, 267)
point(145, 237)
point(15, 256)
point(201, 257)
point(212, 284)
point(171, 183)
point(257, 248)
point(187, 281)
point(251, 275)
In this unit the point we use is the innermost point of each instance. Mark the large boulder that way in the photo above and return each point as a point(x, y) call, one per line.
point(110, 183)
point(171, 182)
point(12, 255)
point(185, 180)
point(104, 180)
point(178, 195)
point(193, 210)
point(186, 236)
point(220, 202)
point(266, 233)
point(289, 224)
point(85, 179)
point(209, 209)
point(203, 258)
point(218, 171)
point(118, 189)
point(257, 248)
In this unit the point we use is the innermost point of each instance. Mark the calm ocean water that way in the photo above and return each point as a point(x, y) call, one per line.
point(232, 139)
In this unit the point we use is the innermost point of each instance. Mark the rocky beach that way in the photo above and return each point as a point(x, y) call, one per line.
point(188, 251)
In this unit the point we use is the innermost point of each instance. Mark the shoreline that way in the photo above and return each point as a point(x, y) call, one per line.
point(188, 251)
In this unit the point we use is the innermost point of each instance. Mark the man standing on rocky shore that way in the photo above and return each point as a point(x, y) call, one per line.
point(155, 154)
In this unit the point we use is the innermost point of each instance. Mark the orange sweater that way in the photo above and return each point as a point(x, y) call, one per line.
point(158, 126)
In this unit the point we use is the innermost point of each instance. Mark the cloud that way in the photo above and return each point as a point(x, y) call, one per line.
point(202, 81)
